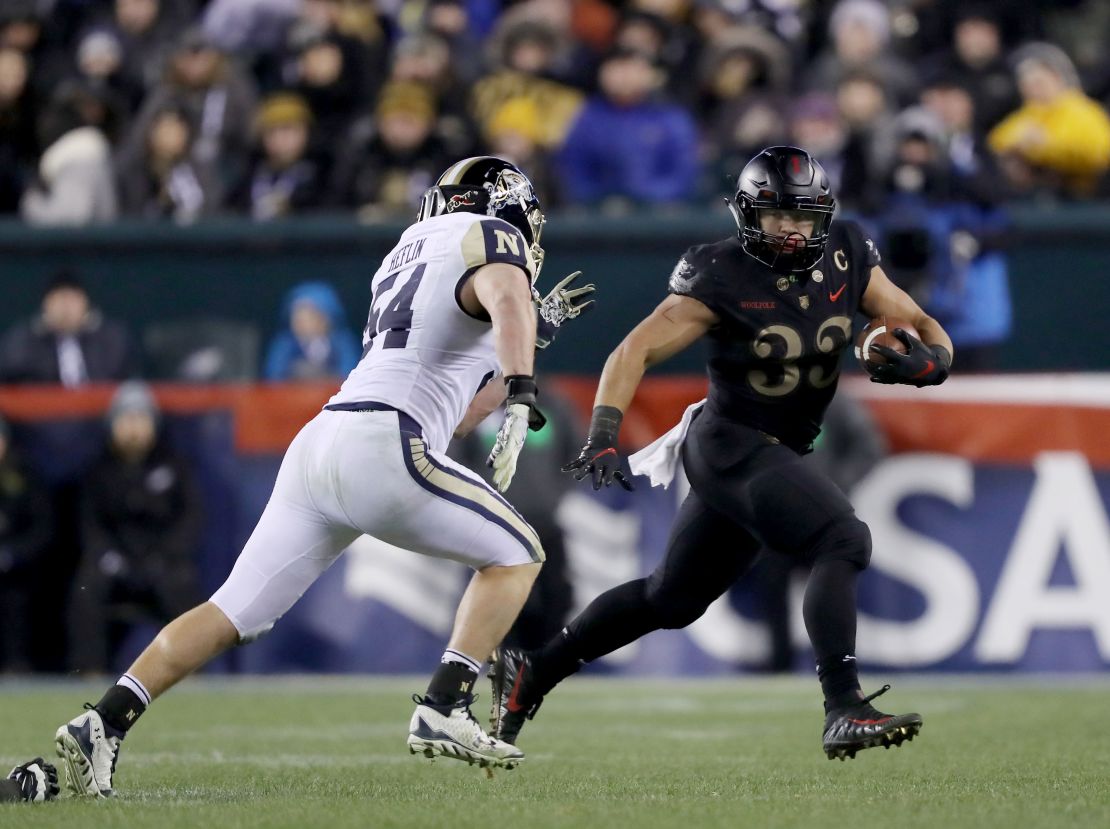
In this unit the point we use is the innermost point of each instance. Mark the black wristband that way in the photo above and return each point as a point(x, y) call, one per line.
point(604, 425)
point(521, 388)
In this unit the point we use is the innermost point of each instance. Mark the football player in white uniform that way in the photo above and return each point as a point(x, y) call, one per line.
point(451, 335)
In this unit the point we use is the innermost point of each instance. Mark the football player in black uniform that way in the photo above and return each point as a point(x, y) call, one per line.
point(777, 303)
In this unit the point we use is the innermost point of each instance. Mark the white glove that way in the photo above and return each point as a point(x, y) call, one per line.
point(510, 440)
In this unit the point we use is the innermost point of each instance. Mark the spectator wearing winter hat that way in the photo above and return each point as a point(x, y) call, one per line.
point(331, 72)
point(394, 156)
point(859, 31)
point(528, 56)
point(744, 78)
point(286, 176)
point(514, 133)
point(1059, 139)
point(425, 59)
point(315, 341)
point(141, 516)
point(214, 94)
point(100, 65)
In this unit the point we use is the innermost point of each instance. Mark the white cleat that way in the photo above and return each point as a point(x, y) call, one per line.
point(88, 750)
point(459, 736)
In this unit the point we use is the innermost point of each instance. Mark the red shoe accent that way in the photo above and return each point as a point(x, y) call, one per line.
point(511, 702)
point(870, 722)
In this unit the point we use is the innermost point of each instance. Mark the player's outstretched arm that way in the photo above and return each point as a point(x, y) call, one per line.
point(675, 323)
point(926, 361)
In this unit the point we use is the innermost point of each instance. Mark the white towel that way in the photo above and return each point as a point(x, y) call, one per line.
point(658, 460)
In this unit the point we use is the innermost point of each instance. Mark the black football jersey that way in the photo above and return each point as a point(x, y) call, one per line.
point(775, 355)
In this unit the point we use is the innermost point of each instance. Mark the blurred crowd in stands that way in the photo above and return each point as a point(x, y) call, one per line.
point(183, 109)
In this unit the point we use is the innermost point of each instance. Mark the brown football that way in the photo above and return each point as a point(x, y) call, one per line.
point(880, 332)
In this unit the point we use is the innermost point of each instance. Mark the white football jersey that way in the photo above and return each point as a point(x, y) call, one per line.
point(421, 352)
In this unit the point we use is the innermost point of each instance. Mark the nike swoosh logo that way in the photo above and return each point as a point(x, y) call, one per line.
point(511, 703)
point(834, 297)
point(929, 366)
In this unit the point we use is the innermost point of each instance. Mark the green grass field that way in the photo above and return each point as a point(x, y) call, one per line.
point(731, 753)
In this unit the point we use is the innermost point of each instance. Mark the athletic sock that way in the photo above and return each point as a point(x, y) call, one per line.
point(453, 680)
point(123, 703)
point(839, 681)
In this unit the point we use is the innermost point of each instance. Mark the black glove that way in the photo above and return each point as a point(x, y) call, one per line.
point(599, 457)
point(921, 365)
point(37, 780)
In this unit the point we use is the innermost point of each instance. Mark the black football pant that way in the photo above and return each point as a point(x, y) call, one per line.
point(747, 491)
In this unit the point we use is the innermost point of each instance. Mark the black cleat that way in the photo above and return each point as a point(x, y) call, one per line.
point(509, 674)
point(859, 726)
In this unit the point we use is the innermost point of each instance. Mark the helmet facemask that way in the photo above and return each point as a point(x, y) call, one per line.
point(790, 251)
point(512, 198)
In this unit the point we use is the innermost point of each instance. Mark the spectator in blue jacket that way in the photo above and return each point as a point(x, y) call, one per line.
point(315, 341)
point(943, 242)
point(626, 143)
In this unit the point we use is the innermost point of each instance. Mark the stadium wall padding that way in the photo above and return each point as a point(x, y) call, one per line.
point(235, 269)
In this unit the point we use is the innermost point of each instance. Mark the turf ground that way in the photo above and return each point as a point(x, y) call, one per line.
point(731, 753)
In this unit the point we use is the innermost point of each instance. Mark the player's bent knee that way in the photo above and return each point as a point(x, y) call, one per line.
point(674, 612)
point(846, 539)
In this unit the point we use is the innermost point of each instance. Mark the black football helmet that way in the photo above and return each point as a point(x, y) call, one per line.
point(493, 187)
point(783, 178)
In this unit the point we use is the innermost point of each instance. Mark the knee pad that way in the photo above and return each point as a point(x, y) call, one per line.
point(845, 539)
